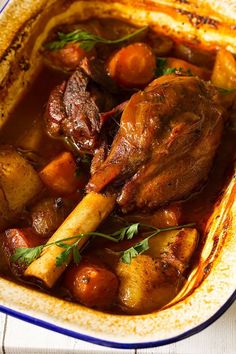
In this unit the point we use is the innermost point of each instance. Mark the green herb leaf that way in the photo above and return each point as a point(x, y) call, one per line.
point(162, 69)
point(62, 244)
point(225, 91)
point(86, 39)
point(76, 255)
point(129, 232)
point(169, 71)
point(26, 255)
point(132, 252)
point(63, 257)
point(161, 65)
point(142, 246)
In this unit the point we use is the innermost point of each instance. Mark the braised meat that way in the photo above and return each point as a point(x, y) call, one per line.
point(95, 69)
point(73, 111)
point(166, 143)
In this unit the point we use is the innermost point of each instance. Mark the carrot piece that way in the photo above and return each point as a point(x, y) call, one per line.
point(92, 284)
point(224, 71)
point(184, 65)
point(132, 66)
point(60, 175)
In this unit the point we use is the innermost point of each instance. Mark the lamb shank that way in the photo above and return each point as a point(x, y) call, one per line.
point(164, 148)
point(163, 151)
point(166, 143)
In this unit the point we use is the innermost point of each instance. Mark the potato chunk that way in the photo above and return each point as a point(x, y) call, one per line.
point(48, 214)
point(4, 211)
point(224, 71)
point(176, 246)
point(18, 180)
point(153, 279)
point(146, 284)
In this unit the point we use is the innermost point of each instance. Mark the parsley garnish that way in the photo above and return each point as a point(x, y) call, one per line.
point(225, 91)
point(86, 39)
point(161, 65)
point(162, 69)
point(142, 246)
point(28, 255)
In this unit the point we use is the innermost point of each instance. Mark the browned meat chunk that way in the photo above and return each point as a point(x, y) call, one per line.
point(166, 143)
point(67, 58)
point(95, 69)
point(72, 111)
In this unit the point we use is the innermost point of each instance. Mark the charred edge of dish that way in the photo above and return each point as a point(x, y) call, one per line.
point(206, 267)
point(217, 246)
point(17, 41)
point(182, 2)
point(198, 20)
point(16, 44)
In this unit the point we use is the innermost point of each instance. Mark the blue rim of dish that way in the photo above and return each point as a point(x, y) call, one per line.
point(4, 6)
point(106, 343)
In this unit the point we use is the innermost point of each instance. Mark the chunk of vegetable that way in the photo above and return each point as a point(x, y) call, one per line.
point(184, 66)
point(48, 214)
point(145, 284)
point(224, 71)
point(5, 213)
point(177, 245)
point(92, 284)
point(152, 280)
point(60, 175)
point(18, 180)
point(132, 66)
point(18, 238)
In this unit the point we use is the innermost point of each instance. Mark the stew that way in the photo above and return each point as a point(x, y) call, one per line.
point(112, 163)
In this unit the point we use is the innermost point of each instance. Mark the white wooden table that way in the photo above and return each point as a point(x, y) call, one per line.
point(20, 337)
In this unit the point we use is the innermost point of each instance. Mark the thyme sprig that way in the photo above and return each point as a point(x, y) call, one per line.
point(86, 39)
point(28, 255)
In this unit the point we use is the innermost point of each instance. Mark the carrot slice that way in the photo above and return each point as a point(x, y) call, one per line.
point(184, 65)
point(60, 175)
point(132, 66)
point(92, 284)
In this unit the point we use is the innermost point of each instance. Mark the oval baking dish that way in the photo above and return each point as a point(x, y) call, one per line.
point(210, 286)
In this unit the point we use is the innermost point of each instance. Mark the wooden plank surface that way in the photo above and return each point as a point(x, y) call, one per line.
point(21, 337)
point(219, 338)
